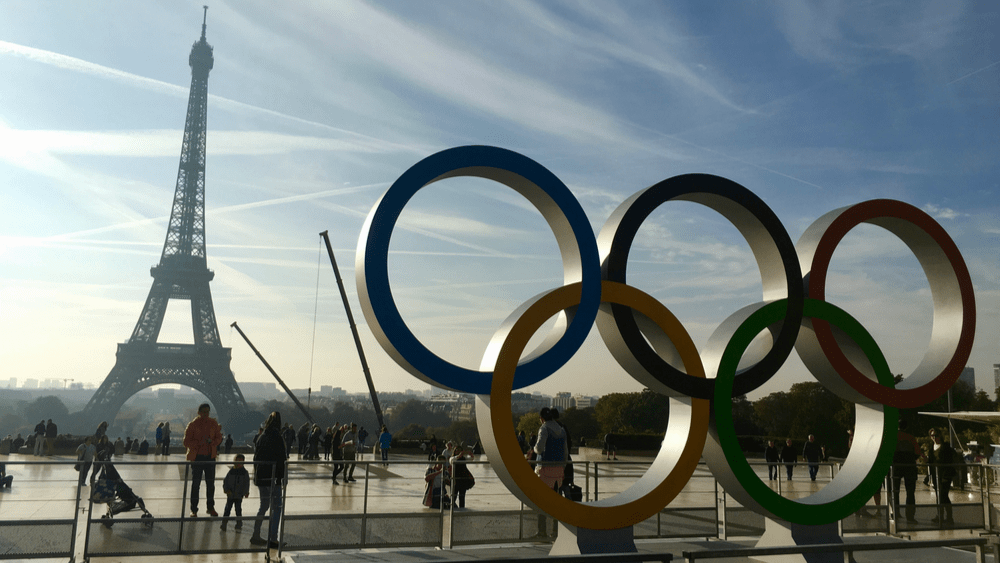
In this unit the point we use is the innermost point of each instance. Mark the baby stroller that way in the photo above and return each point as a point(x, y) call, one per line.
point(112, 490)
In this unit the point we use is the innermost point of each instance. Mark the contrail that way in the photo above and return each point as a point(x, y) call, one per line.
point(74, 64)
point(973, 72)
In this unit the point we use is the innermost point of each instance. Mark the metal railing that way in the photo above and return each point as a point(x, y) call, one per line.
point(49, 514)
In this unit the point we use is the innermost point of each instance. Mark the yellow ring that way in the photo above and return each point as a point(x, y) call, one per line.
point(670, 471)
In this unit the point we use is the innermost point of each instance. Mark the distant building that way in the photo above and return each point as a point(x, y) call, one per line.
point(30, 384)
point(584, 402)
point(969, 376)
point(996, 377)
point(563, 400)
point(523, 402)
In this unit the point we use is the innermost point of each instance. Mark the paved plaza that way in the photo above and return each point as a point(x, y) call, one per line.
point(384, 501)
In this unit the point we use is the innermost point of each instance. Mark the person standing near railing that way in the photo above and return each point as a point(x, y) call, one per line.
point(940, 463)
point(349, 450)
point(269, 474)
point(384, 444)
point(552, 450)
point(904, 469)
point(39, 437)
point(166, 439)
point(789, 457)
point(202, 438)
point(812, 453)
point(771, 457)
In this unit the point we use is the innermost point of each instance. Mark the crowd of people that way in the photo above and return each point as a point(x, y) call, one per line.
point(943, 466)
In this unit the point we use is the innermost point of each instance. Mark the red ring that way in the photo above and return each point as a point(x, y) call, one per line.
point(882, 212)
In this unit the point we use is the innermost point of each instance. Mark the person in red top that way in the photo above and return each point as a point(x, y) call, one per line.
point(202, 438)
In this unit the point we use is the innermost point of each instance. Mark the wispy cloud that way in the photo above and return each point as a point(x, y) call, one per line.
point(939, 212)
point(167, 142)
point(74, 64)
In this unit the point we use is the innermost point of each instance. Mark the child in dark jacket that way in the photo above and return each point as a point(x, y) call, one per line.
point(237, 487)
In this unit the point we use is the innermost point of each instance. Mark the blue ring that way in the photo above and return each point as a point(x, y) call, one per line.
point(374, 250)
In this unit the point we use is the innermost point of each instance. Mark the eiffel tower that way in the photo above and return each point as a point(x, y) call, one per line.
point(181, 274)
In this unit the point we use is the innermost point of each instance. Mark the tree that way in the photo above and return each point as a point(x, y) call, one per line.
point(52, 407)
point(633, 413)
point(414, 411)
point(529, 424)
point(581, 422)
point(411, 432)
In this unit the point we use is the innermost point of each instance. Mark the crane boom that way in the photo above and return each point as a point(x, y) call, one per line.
point(304, 410)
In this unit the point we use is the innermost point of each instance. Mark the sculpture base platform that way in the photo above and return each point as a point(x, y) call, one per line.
point(780, 533)
point(581, 541)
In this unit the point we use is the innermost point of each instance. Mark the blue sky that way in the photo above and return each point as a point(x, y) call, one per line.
point(316, 108)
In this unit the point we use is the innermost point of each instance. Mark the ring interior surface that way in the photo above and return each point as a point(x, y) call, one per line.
point(558, 207)
point(623, 331)
point(687, 423)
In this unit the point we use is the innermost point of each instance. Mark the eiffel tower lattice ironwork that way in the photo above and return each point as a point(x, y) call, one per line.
point(182, 273)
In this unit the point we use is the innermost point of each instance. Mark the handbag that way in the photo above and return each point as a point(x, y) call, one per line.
point(103, 491)
point(572, 492)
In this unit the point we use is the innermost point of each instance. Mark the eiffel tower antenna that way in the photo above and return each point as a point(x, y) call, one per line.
point(182, 273)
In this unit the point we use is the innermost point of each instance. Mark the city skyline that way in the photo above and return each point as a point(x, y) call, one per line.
point(315, 110)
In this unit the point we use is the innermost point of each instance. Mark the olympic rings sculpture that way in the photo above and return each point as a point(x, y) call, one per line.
point(648, 341)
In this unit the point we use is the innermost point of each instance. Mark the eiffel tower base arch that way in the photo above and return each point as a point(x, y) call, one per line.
point(140, 366)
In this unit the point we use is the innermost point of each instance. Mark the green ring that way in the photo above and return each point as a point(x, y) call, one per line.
point(768, 499)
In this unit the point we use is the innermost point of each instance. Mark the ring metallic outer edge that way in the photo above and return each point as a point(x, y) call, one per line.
point(871, 453)
point(829, 356)
point(687, 423)
point(553, 200)
point(771, 246)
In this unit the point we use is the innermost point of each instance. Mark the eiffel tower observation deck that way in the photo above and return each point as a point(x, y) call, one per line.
point(182, 273)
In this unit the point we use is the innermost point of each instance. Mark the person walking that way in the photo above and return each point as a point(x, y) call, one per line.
point(229, 444)
point(236, 486)
point(349, 450)
point(940, 462)
point(384, 444)
point(102, 431)
point(812, 453)
point(904, 470)
point(166, 439)
point(303, 438)
point(85, 454)
point(463, 478)
point(327, 443)
point(159, 438)
point(551, 450)
point(202, 438)
point(337, 454)
point(51, 431)
point(314, 439)
point(362, 437)
point(609, 446)
point(39, 437)
point(771, 456)
point(289, 435)
point(269, 473)
point(788, 457)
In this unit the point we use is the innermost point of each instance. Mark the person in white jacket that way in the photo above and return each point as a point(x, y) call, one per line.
point(551, 452)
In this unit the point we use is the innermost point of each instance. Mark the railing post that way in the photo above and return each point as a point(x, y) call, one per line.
point(184, 492)
point(596, 480)
point(720, 510)
point(586, 481)
point(78, 511)
point(364, 510)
